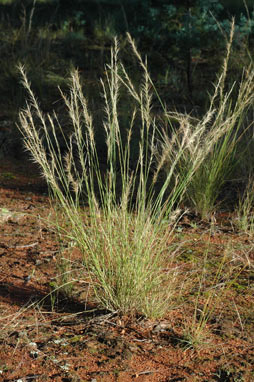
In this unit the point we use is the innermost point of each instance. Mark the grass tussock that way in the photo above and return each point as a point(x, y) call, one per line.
point(132, 208)
point(213, 140)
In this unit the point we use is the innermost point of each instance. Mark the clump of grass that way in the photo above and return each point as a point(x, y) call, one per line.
point(216, 141)
point(124, 241)
point(245, 210)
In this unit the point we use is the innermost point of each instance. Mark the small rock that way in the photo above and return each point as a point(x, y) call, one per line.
point(161, 327)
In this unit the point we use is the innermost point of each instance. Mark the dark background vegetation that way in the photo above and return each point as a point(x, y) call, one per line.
point(184, 41)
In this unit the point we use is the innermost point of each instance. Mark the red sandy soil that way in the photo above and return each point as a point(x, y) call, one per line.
point(47, 337)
